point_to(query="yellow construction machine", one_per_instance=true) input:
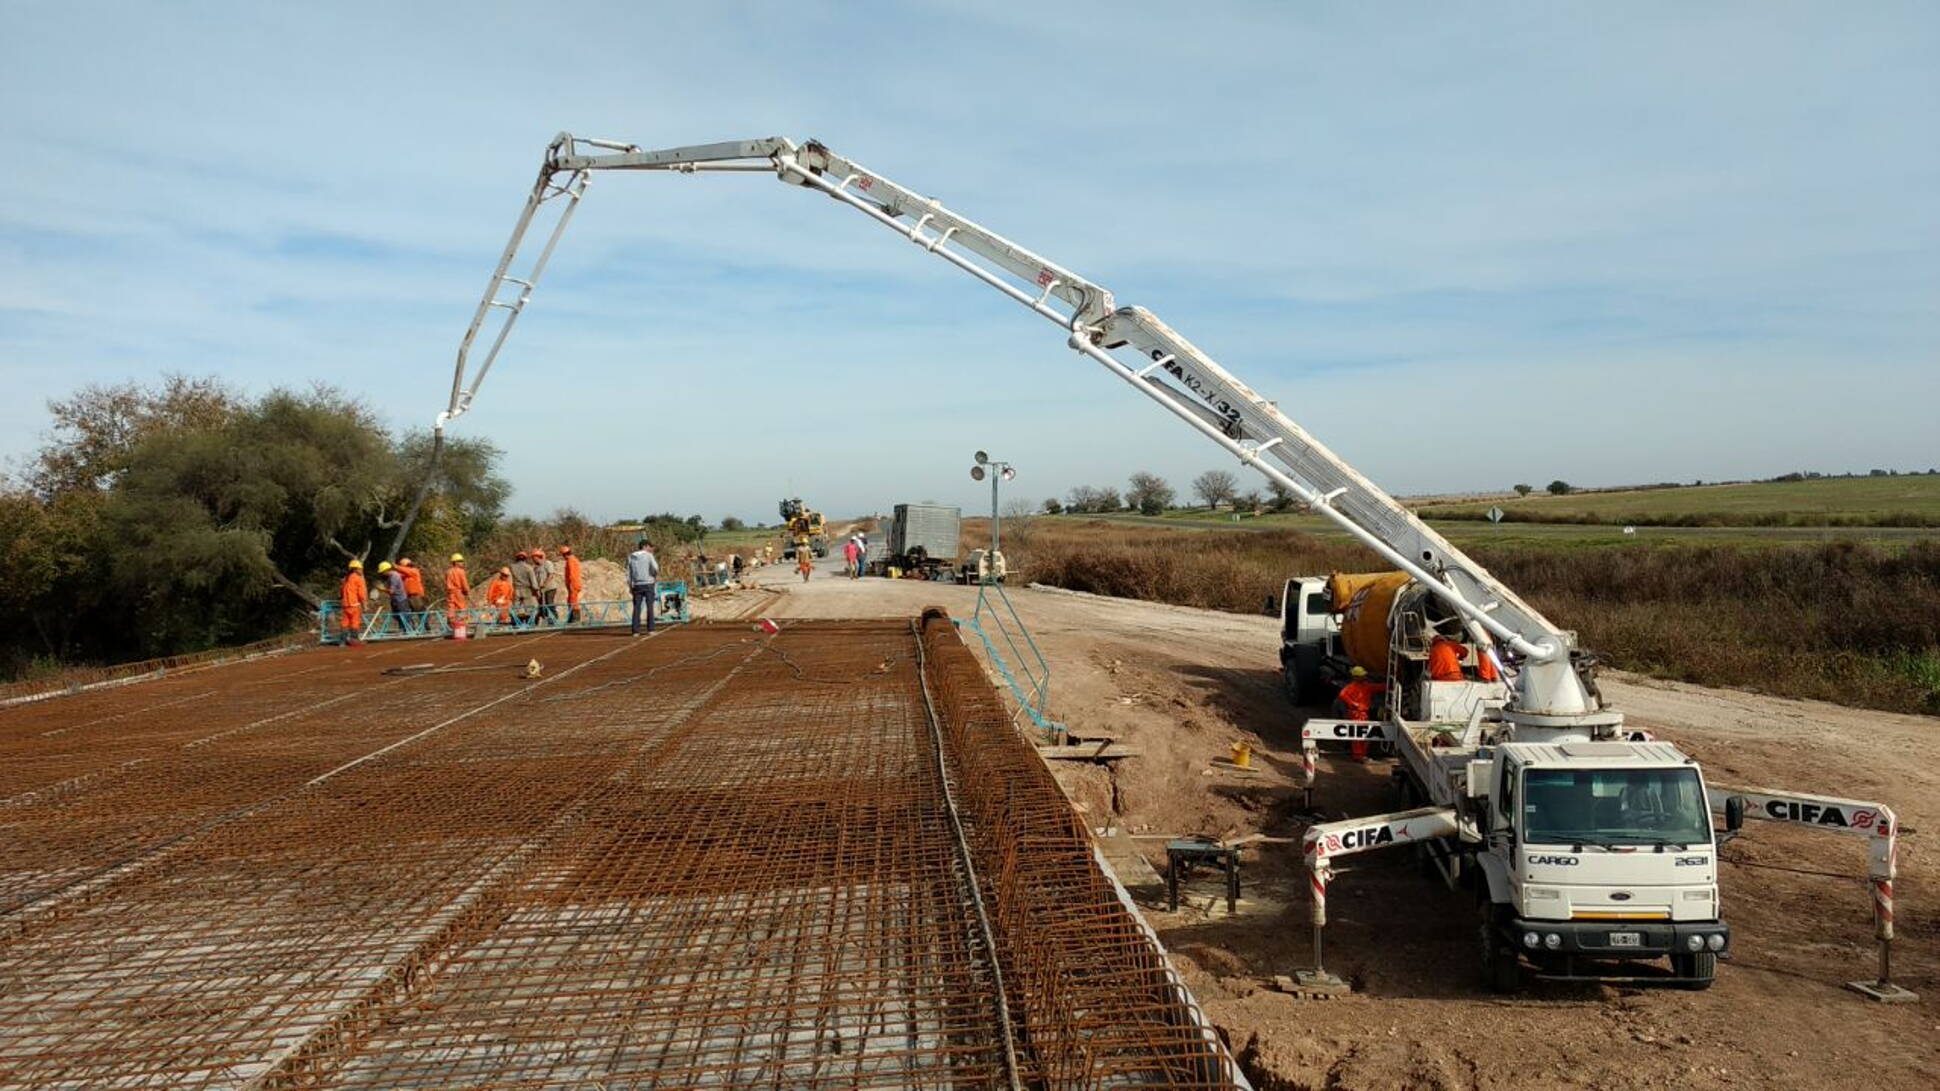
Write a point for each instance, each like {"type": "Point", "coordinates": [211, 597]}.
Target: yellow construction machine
{"type": "Point", "coordinates": [806, 529]}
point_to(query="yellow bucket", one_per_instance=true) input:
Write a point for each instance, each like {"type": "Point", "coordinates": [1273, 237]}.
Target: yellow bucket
{"type": "Point", "coordinates": [1242, 755]}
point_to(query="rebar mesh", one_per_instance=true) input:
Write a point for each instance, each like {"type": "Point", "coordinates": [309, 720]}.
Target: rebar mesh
{"type": "Point", "coordinates": [706, 859]}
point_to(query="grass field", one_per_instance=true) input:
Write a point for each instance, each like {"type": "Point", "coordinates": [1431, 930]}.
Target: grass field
{"type": "Point", "coordinates": [1908, 500]}
{"type": "Point", "coordinates": [1847, 621]}
{"type": "Point", "coordinates": [1468, 533]}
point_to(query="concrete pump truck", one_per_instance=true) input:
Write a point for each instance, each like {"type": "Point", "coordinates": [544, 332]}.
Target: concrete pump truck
{"type": "Point", "coordinates": [1587, 845]}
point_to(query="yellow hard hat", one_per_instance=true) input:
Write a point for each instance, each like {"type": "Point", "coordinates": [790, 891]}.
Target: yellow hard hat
{"type": "Point", "coordinates": [383, 566]}
{"type": "Point", "coordinates": [456, 557]}
{"type": "Point", "coordinates": [1358, 672]}
{"type": "Point", "coordinates": [356, 564]}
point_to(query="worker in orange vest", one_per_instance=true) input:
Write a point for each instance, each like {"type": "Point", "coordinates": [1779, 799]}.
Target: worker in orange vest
{"type": "Point", "coordinates": [1445, 659]}
{"type": "Point", "coordinates": [413, 583]}
{"type": "Point", "coordinates": [575, 583]}
{"type": "Point", "coordinates": [1355, 701]}
{"type": "Point", "coordinates": [1485, 664]}
{"type": "Point", "coordinates": [499, 593]}
{"type": "Point", "coordinates": [354, 596]}
{"type": "Point", "coordinates": [458, 591]}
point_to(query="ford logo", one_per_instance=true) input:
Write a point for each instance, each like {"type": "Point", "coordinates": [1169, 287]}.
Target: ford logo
{"type": "Point", "coordinates": [1620, 896]}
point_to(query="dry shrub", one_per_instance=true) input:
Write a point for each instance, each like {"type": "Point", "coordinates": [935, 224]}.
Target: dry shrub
{"type": "Point", "coordinates": [1844, 621]}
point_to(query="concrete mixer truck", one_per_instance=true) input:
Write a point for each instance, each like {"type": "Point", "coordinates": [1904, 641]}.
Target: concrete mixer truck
{"type": "Point", "coordinates": [1385, 623]}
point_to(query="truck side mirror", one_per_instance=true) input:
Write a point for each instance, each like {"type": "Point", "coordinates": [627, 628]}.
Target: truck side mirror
{"type": "Point", "coordinates": [1734, 813]}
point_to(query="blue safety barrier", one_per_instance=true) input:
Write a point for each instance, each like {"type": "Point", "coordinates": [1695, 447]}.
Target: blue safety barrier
{"type": "Point", "coordinates": [381, 623]}
{"type": "Point", "coordinates": [1033, 691]}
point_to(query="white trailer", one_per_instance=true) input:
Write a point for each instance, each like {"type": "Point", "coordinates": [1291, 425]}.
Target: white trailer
{"type": "Point", "coordinates": [1549, 722]}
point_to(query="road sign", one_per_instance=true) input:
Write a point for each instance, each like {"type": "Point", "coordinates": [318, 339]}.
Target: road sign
{"type": "Point", "coordinates": [1495, 515]}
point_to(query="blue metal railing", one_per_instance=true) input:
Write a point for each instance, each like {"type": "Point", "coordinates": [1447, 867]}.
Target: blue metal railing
{"type": "Point", "coordinates": [1033, 691]}
{"type": "Point", "coordinates": [381, 623]}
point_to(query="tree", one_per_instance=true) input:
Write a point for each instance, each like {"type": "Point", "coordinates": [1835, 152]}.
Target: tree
{"type": "Point", "coordinates": [165, 520]}
{"type": "Point", "coordinates": [731, 523]}
{"type": "Point", "coordinates": [1524, 490]}
{"type": "Point", "coordinates": [1149, 493]}
{"type": "Point", "coordinates": [1052, 506]}
{"type": "Point", "coordinates": [1250, 501]}
{"type": "Point", "coordinates": [1560, 488]}
{"type": "Point", "coordinates": [1215, 487]}
{"type": "Point", "coordinates": [97, 429]}
{"type": "Point", "coordinates": [1281, 497]}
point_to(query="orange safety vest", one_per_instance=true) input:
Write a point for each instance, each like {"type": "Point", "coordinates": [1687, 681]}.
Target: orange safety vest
{"type": "Point", "coordinates": [1485, 666]}
{"type": "Point", "coordinates": [458, 586]}
{"type": "Point", "coordinates": [575, 580]}
{"type": "Point", "coordinates": [1445, 660]}
{"type": "Point", "coordinates": [353, 593]}
{"type": "Point", "coordinates": [1357, 696]}
{"type": "Point", "coordinates": [413, 579]}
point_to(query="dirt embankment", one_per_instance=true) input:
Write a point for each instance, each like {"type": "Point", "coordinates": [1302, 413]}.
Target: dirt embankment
{"type": "Point", "coordinates": [1180, 685]}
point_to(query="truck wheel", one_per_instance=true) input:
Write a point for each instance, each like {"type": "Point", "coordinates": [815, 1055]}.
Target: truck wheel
{"type": "Point", "coordinates": [1290, 682]}
{"type": "Point", "coordinates": [1699, 969]}
{"type": "Point", "coordinates": [1501, 969]}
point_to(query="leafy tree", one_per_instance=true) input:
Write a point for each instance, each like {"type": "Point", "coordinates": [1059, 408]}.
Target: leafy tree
{"type": "Point", "coordinates": [1215, 487]}
{"type": "Point", "coordinates": [1281, 497]}
{"type": "Point", "coordinates": [1560, 488]}
{"type": "Point", "coordinates": [167, 519]}
{"type": "Point", "coordinates": [52, 576]}
{"type": "Point", "coordinates": [1052, 506]}
{"type": "Point", "coordinates": [96, 431]}
{"type": "Point", "coordinates": [667, 529]}
{"type": "Point", "coordinates": [1250, 501]}
{"type": "Point", "coordinates": [732, 523]}
{"type": "Point", "coordinates": [1525, 490]}
{"type": "Point", "coordinates": [1149, 493]}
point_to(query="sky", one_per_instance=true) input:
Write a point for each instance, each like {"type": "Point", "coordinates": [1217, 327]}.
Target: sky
{"type": "Point", "coordinates": [1464, 244]}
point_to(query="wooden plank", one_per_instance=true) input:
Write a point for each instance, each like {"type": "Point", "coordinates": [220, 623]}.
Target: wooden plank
{"type": "Point", "coordinates": [1104, 751]}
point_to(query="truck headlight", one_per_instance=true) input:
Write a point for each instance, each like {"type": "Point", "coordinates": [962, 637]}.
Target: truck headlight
{"type": "Point", "coordinates": [1715, 941]}
{"type": "Point", "coordinates": [1694, 942]}
{"type": "Point", "coordinates": [1531, 939]}
{"type": "Point", "coordinates": [1703, 895]}
{"type": "Point", "coordinates": [1552, 941]}
{"type": "Point", "coordinates": [1542, 893]}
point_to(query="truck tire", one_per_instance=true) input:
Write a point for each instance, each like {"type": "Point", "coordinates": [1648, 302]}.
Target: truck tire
{"type": "Point", "coordinates": [1700, 969]}
{"type": "Point", "coordinates": [1304, 683]}
{"type": "Point", "coordinates": [1501, 967]}
{"type": "Point", "coordinates": [1290, 682]}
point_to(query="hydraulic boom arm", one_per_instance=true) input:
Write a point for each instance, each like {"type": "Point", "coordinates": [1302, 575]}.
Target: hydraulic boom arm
{"type": "Point", "coordinates": [1130, 342]}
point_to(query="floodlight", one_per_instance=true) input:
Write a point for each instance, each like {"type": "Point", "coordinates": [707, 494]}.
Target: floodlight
{"type": "Point", "coordinates": [982, 458]}
{"type": "Point", "coordinates": [976, 473]}
{"type": "Point", "coordinates": [1009, 473]}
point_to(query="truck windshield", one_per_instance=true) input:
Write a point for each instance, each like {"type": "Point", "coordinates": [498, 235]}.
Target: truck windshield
{"type": "Point", "coordinates": [1614, 807]}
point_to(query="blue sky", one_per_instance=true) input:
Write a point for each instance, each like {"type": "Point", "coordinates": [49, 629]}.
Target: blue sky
{"type": "Point", "coordinates": [1465, 244]}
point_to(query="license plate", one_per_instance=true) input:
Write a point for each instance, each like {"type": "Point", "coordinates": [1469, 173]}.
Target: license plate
{"type": "Point", "coordinates": [1626, 939]}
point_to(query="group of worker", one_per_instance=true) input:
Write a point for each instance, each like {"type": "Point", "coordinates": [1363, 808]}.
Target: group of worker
{"type": "Point", "coordinates": [855, 554]}
{"type": "Point", "coordinates": [1356, 699]}
{"type": "Point", "coordinates": [528, 590]}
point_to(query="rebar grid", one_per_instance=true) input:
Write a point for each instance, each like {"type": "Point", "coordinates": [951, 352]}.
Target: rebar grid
{"type": "Point", "coordinates": [183, 764]}
{"type": "Point", "coordinates": [705, 859]}
{"type": "Point", "coordinates": [1101, 1004]}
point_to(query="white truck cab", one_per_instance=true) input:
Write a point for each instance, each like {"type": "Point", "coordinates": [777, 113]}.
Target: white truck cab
{"type": "Point", "coordinates": [1309, 635]}
{"type": "Point", "coordinates": [1597, 851]}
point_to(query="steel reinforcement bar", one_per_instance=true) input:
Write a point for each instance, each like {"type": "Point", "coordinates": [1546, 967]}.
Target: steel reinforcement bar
{"type": "Point", "coordinates": [706, 859]}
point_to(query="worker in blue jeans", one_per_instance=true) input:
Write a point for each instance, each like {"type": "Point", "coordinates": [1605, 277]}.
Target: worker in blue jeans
{"type": "Point", "coordinates": [642, 575]}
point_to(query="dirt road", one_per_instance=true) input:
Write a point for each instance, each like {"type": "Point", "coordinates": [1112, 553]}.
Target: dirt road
{"type": "Point", "coordinates": [1180, 685]}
